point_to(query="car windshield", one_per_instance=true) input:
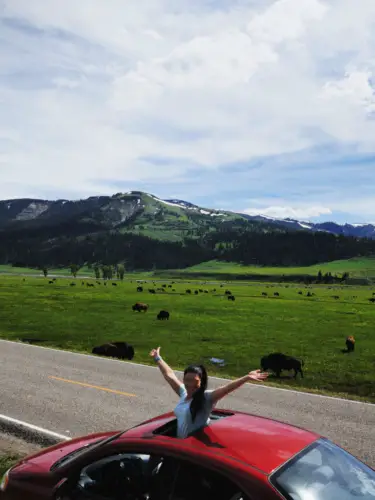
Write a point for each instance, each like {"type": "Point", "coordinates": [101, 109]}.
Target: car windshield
{"type": "Point", "coordinates": [325, 471]}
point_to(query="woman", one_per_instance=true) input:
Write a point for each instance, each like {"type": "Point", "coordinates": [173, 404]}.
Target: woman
{"type": "Point", "coordinates": [196, 402]}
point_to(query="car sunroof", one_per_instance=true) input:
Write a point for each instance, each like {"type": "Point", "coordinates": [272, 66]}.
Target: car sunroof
{"type": "Point", "coordinates": [170, 428]}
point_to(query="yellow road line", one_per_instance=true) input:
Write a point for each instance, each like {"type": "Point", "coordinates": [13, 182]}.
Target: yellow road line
{"type": "Point", "coordinates": [93, 386]}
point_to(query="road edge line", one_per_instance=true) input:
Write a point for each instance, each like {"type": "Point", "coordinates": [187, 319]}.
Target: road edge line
{"type": "Point", "coordinates": [30, 432]}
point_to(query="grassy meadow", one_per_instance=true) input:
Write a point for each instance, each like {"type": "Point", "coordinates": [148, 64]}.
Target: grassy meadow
{"type": "Point", "coordinates": [359, 267]}
{"type": "Point", "coordinates": [7, 461]}
{"type": "Point", "coordinates": [206, 325]}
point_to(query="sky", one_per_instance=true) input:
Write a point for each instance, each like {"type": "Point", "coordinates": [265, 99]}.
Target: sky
{"type": "Point", "coordinates": [256, 106]}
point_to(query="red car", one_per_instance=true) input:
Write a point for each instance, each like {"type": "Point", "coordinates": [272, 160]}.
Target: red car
{"type": "Point", "coordinates": [237, 457]}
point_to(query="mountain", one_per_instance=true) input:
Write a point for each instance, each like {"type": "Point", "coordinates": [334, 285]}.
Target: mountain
{"type": "Point", "coordinates": [145, 214]}
{"type": "Point", "coordinates": [146, 232]}
{"type": "Point", "coordinates": [136, 212]}
{"type": "Point", "coordinates": [354, 230]}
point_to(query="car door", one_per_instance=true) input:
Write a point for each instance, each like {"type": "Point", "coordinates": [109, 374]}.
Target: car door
{"type": "Point", "coordinates": [194, 481]}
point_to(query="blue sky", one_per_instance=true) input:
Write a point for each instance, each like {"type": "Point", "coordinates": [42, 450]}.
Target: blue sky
{"type": "Point", "coordinates": [257, 106]}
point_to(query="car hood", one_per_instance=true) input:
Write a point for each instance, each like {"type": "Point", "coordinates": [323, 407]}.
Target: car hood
{"type": "Point", "coordinates": [43, 460]}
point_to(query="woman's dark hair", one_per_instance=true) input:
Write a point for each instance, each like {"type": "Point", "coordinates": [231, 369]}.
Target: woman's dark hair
{"type": "Point", "coordinates": [198, 396]}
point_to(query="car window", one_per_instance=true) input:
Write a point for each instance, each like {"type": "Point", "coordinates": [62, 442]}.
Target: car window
{"type": "Point", "coordinates": [129, 476]}
{"type": "Point", "coordinates": [194, 481]}
{"type": "Point", "coordinates": [122, 476]}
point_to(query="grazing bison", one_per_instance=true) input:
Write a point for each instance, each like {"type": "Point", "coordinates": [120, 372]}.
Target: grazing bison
{"type": "Point", "coordinates": [140, 289]}
{"type": "Point", "coordinates": [228, 292]}
{"type": "Point", "coordinates": [140, 306]}
{"type": "Point", "coordinates": [350, 341]}
{"type": "Point", "coordinates": [188, 291]}
{"type": "Point", "coordinates": [163, 315]}
{"type": "Point", "coordinates": [114, 284]}
{"type": "Point", "coordinates": [120, 350]}
{"type": "Point", "coordinates": [151, 290]}
{"type": "Point", "coordinates": [276, 294]}
{"type": "Point", "coordinates": [264, 294]}
{"type": "Point", "coordinates": [231, 297]}
{"type": "Point", "coordinates": [278, 362]}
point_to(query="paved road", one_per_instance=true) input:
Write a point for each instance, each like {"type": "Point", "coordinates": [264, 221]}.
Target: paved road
{"type": "Point", "coordinates": [70, 394]}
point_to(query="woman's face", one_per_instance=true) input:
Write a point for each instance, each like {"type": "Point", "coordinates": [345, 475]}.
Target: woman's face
{"type": "Point", "coordinates": [192, 382]}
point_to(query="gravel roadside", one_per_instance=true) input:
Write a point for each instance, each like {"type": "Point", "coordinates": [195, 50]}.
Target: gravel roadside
{"type": "Point", "coordinates": [13, 449]}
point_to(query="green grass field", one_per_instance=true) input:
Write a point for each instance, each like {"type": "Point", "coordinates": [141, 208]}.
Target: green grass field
{"type": "Point", "coordinates": [357, 268]}
{"type": "Point", "coordinates": [361, 267]}
{"type": "Point", "coordinates": [206, 325]}
{"type": "Point", "coordinates": [7, 460]}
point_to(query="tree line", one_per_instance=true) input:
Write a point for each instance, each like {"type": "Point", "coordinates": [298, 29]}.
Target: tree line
{"type": "Point", "coordinates": [246, 245]}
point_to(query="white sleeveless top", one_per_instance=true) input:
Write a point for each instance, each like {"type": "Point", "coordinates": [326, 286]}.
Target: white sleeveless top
{"type": "Point", "coordinates": [185, 425]}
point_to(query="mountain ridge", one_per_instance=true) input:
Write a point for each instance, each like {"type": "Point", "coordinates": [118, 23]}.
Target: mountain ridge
{"type": "Point", "coordinates": [140, 210]}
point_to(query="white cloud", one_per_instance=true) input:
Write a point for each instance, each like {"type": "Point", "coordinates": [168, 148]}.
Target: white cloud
{"type": "Point", "coordinates": [89, 89]}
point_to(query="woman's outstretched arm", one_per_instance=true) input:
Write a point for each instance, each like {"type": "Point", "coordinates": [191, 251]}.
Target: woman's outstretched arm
{"type": "Point", "coordinates": [235, 384]}
{"type": "Point", "coordinates": [166, 370]}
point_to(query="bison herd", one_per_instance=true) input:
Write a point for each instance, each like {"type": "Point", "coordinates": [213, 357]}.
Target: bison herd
{"type": "Point", "coordinates": [276, 362]}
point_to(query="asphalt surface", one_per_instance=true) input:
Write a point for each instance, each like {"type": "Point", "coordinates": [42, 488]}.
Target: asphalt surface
{"type": "Point", "coordinates": [65, 406]}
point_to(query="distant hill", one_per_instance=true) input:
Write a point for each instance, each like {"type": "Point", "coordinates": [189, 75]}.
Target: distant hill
{"type": "Point", "coordinates": [147, 232]}
{"type": "Point", "coordinates": [355, 230]}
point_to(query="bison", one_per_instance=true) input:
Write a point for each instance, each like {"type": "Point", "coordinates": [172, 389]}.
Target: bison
{"type": "Point", "coordinates": [278, 362]}
{"type": "Point", "coordinates": [140, 306]}
{"type": "Point", "coordinates": [163, 315]}
{"type": "Point", "coordinates": [350, 341]}
{"type": "Point", "coordinates": [139, 289]}
{"type": "Point", "coordinates": [120, 350]}
{"type": "Point", "coordinates": [231, 297]}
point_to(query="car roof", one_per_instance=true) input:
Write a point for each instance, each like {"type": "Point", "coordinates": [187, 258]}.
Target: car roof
{"type": "Point", "coordinates": [260, 442]}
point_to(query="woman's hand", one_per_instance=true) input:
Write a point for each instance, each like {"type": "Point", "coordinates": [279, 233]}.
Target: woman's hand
{"type": "Point", "coordinates": [257, 375]}
{"type": "Point", "coordinates": [155, 352]}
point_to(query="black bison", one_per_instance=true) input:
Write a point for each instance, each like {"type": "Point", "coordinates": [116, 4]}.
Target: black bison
{"type": "Point", "coordinates": [231, 297]}
{"type": "Point", "coordinates": [140, 289]}
{"type": "Point", "coordinates": [188, 291]}
{"type": "Point", "coordinates": [228, 292]}
{"type": "Point", "coordinates": [276, 294]}
{"type": "Point", "coordinates": [151, 290]}
{"type": "Point", "coordinates": [120, 350]}
{"type": "Point", "coordinates": [114, 284]}
{"type": "Point", "coordinates": [264, 294]}
{"type": "Point", "coordinates": [278, 362]}
{"type": "Point", "coordinates": [163, 315]}
{"type": "Point", "coordinates": [350, 342]}
{"type": "Point", "coordinates": [140, 306]}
